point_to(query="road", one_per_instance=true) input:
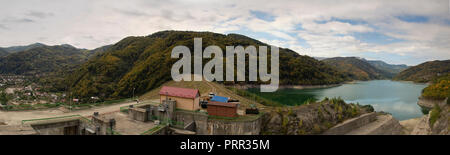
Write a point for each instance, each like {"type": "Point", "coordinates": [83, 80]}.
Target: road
{"type": "Point", "coordinates": [16, 117]}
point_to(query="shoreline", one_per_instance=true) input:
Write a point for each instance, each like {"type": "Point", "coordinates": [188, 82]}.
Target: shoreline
{"type": "Point", "coordinates": [247, 86]}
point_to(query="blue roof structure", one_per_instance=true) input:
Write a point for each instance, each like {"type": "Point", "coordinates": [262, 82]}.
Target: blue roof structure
{"type": "Point", "coordinates": [220, 99]}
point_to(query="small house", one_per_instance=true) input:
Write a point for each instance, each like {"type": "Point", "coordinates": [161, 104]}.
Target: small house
{"type": "Point", "coordinates": [222, 109]}
{"type": "Point", "coordinates": [186, 99]}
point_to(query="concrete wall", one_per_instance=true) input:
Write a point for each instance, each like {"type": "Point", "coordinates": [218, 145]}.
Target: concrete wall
{"type": "Point", "coordinates": [185, 117]}
{"type": "Point", "coordinates": [205, 126]}
{"type": "Point", "coordinates": [54, 128]}
{"type": "Point", "coordinates": [139, 114]}
{"type": "Point", "coordinates": [351, 124]}
{"type": "Point", "coordinates": [148, 112]}
{"type": "Point", "coordinates": [390, 127]}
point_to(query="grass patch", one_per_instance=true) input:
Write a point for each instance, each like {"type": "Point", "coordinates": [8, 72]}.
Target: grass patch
{"type": "Point", "coordinates": [435, 114]}
{"type": "Point", "coordinates": [254, 97]}
{"type": "Point", "coordinates": [153, 130]}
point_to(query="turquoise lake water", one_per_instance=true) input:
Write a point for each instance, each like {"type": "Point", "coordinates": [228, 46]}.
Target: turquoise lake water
{"type": "Point", "coordinates": [398, 98]}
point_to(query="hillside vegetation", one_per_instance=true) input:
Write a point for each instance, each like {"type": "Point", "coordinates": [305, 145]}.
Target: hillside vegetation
{"type": "Point", "coordinates": [439, 89]}
{"type": "Point", "coordinates": [144, 63]}
{"type": "Point", "coordinates": [3, 52]}
{"type": "Point", "coordinates": [14, 49]}
{"type": "Point", "coordinates": [314, 118]}
{"type": "Point", "coordinates": [42, 59]}
{"type": "Point", "coordinates": [389, 68]}
{"type": "Point", "coordinates": [425, 72]}
{"type": "Point", "coordinates": [356, 68]}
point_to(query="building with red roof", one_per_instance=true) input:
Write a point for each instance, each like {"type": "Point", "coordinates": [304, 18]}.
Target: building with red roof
{"type": "Point", "coordinates": [187, 99]}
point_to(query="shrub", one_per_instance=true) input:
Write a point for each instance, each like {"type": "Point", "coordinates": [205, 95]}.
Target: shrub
{"type": "Point", "coordinates": [435, 114]}
{"type": "Point", "coordinates": [439, 89]}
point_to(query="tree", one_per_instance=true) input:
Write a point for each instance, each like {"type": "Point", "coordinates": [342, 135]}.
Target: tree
{"type": "Point", "coordinates": [3, 98]}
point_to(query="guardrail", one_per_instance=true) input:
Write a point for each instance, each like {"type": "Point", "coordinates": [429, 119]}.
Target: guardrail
{"type": "Point", "coordinates": [53, 118]}
{"type": "Point", "coordinates": [125, 108]}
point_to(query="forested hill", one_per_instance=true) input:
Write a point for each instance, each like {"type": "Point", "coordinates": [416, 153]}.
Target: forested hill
{"type": "Point", "coordinates": [42, 59]}
{"type": "Point", "coordinates": [425, 72]}
{"type": "Point", "coordinates": [390, 68]}
{"type": "Point", "coordinates": [3, 52]}
{"type": "Point", "coordinates": [358, 69]}
{"type": "Point", "coordinates": [14, 49]}
{"type": "Point", "coordinates": [144, 63]}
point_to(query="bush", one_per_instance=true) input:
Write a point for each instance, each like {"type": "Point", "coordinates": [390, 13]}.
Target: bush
{"type": "Point", "coordinates": [435, 114]}
{"type": "Point", "coordinates": [439, 89]}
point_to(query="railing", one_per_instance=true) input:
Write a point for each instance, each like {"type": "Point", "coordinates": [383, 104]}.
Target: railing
{"type": "Point", "coordinates": [25, 107]}
{"type": "Point", "coordinates": [53, 118]}
{"type": "Point", "coordinates": [125, 109]}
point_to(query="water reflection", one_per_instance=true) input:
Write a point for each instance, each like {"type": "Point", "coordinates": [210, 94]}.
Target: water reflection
{"type": "Point", "coordinates": [397, 98]}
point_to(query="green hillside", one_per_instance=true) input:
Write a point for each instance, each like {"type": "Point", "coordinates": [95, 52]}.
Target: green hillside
{"type": "Point", "coordinates": [14, 49]}
{"type": "Point", "coordinates": [3, 52]}
{"type": "Point", "coordinates": [43, 59]}
{"type": "Point", "coordinates": [144, 63]}
{"type": "Point", "coordinates": [425, 72]}
{"type": "Point", "coordinates": [389, 68]}
{"type": "Point", "coordinates": [439, 89]}
{"type": "Point", "coordinates": [357, 69]}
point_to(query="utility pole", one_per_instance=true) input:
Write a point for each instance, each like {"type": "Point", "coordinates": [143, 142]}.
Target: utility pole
{"type": "Point", "coordinates": [133, 92]}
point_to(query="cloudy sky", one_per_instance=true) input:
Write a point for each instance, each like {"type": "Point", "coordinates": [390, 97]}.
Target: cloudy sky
{"type": "Point", "coordinates": [396, 31]}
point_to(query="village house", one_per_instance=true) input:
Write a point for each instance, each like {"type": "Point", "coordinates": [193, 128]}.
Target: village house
{"type": "Point", "coordinates": [186, 99]}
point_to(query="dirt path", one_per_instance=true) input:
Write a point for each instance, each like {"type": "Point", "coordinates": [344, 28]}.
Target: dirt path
{"type": "Point", "coordinates": [15, 117]}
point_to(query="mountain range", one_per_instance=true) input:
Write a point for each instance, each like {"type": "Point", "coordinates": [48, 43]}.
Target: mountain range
{"type": "Point", "coordinates": [39, 58]}
{"type": "Point", "coordinates": [144, 63]}
{"type": "Point", "coordinates": [356, 68]}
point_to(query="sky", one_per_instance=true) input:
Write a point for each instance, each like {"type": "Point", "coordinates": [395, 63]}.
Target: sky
{"type": "Point", "coordinates": [396, 31]}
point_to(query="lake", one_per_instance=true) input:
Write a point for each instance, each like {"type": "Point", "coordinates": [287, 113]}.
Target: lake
{"type": "Point", "coordinates": [395, 97]}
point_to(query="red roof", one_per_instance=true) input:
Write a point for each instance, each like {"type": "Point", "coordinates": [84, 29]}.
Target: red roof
{"type": "Point", "coordinates": [222, 104]}
{"type": "Point", "coordinates": [179, 92]}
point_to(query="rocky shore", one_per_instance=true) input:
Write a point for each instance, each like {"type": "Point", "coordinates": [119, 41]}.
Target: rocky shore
{"type": "Point", "coordinates": [291, 86]}
{"type": "Point", "coordinates": [436, 122]}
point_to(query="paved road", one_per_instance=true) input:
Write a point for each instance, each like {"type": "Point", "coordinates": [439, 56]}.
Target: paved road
{"type": "Point", "coordinates": [15, 117]}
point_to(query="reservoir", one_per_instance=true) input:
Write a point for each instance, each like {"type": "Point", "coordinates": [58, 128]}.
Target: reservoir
{"type": "Point", "coordinates": [395, 97]}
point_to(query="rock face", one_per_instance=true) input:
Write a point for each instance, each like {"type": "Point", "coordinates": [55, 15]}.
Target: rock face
{"type": "Point", "coordinates": [368, 124]}
{"type": "Point", "coordinates": [422, 127]}
{"type": "Point", "coordinates": [441, 125]}
{"type": "Point", "coordinates": [436, 122]}
{"type": "Point", "coordinates": [310, 119]}
{"type": "Point", "coordinates": [429, 103]}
